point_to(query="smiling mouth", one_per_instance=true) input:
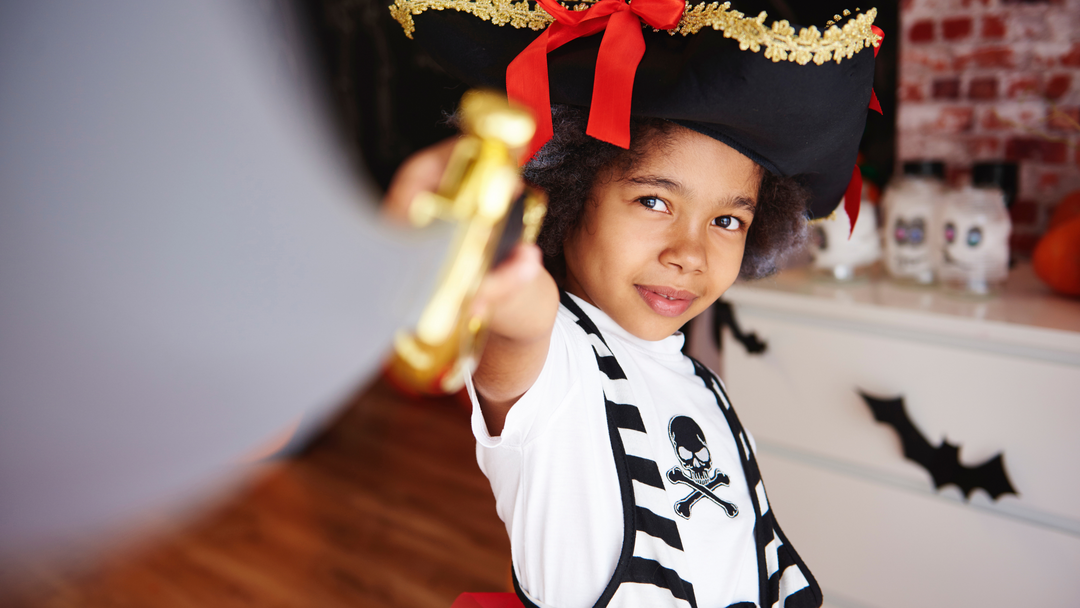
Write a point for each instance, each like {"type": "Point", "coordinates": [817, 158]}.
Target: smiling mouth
{"type": "Point", "coordinates": [666, 301]}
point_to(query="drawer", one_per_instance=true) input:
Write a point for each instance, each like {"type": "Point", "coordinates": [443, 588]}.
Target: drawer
{"type": "Point", "coordinates": [876, 545]}
{"type": "Point", "coordinates": [802, 394]}
{"type": "Point", "coordinates": [870, 523]}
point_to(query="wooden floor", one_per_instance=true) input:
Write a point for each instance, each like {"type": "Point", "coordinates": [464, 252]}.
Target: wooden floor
{"type": "Point", "coordinates": [388, 508]}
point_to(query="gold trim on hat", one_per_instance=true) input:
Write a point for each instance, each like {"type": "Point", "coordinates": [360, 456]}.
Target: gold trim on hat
{"type": "Point", "coordinates": [780, 40]}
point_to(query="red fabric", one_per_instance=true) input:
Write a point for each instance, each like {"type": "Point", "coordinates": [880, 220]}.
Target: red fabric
{"type": "Point", "coordinates": [620, 52]}
{"type": "Point", "coordinates": [853, 198]}
{"type": "Point", "coordinates": [875, 105]}
{"type": "Point", "coordinates": [487, 600]}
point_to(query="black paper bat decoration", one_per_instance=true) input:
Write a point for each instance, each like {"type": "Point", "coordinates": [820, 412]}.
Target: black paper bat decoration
{"type": "Point", "coordinates": [724, 314]}
{"type": "Point", "coordinates": [943, 461]}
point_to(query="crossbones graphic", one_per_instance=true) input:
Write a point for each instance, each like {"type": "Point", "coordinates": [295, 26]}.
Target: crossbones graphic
{"type": "Point", "coordinates": [695, 462]}
{"type": "Point", "coordinates": [682, 507]}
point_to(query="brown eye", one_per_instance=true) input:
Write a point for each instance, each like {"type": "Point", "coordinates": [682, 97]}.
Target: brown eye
{"type": "Point", "coordinates": [654, 203]}
{"type": "Point", "coordinates": [727, 222]}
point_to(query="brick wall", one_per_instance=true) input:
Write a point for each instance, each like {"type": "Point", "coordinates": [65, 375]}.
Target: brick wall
{"type": "Point", "coordinates": [992, 80]}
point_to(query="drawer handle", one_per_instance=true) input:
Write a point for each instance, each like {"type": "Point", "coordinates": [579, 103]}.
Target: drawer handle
{"type": "Point", "coordinates": [941, 461]}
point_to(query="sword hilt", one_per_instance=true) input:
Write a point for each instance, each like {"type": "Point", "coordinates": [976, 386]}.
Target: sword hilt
{"type": "Point", "coordinates": [479, 193]}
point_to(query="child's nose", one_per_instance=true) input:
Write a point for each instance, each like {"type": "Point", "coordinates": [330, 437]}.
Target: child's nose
{"type": "Point", "coordinates": [685, 250]}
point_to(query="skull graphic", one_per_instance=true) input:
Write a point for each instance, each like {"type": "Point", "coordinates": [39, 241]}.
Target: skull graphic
{"type": "Point", "coordinates": [911, 208]}
{"type": "Point", "coordinates": [976, 228]}
{"type": "Point", "coordinates": [690, 447]}
{"type": "Point", "coordinates": [835, 253]}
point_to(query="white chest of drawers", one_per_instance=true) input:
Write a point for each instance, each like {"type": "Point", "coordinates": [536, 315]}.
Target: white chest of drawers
{"type": "Point", "coordinates": [999, 375]}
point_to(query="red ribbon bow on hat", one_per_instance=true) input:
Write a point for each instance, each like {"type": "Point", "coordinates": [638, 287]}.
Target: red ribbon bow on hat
{"type": "Point", "coordinates": [853, 195]}
{"type": "Point", "coordinates": [620, 52]}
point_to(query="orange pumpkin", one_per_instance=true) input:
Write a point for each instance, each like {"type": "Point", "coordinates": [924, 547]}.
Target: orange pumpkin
{"type": "Point", "coordinates": [1056, 259]}
{"type": "Point", "coordinates": [1068, 208]}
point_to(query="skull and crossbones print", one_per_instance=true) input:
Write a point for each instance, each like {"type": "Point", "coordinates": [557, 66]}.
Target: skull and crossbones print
{"type": "Point", "coordinates": [695, 463]}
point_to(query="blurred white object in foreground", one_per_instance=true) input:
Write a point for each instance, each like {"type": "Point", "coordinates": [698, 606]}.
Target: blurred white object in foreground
{"type": "Point", "coordinates": [187, 264]}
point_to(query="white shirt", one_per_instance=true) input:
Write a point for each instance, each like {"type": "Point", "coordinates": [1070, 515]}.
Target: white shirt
{"type": "Point", "coordinates": [555, 484]}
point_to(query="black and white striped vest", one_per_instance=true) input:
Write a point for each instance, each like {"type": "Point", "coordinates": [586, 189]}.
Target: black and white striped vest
{"type": "Point", "coordinates": [652, 547]}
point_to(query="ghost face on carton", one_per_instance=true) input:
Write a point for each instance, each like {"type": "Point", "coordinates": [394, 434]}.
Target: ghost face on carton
{"type": "Point", "coordinates": [975, 229]}
{"type": "Point", "coordinates": [908, 231]}
{"type": "Point", "coordinates": [834, 253]}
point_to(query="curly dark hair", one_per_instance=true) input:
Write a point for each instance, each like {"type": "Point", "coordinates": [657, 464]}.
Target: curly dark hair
{"type": "Point", "coordinates": [568, 166]}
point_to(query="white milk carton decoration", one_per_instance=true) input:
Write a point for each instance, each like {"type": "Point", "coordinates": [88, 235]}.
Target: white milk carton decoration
{"type": "Point", "coordinates": [911, 205]}
{"type": "Point", "coordinates": [975, 227]}
{"type": "Point", "coordinates": [841, 258]}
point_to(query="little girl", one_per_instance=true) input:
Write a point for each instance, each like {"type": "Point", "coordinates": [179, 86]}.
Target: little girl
{"type": "Point", "coordinates": [618, 465]}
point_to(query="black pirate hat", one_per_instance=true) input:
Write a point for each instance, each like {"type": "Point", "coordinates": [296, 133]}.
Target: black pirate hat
{"type": "Point", "coordinates": [794, 101]}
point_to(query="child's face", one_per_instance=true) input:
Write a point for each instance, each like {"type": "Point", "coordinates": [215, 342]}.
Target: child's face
{"type": "Point", "coordinates": [661, 243]}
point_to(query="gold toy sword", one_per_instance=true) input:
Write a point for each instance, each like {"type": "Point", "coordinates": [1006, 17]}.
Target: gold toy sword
{"type": "Point", "coordinates": [478, 192]}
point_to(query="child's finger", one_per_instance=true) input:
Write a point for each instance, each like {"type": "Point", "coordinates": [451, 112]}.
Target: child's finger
{"type": "Point", "coordinates": [508, 278]}
{"type": "Point", "coordinates": [421, 172]}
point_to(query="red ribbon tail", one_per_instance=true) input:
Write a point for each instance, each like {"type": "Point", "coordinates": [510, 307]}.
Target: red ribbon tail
{"type": "Point", "coordinates": [875, 105]}
{"type": "Point", "coordinates": [544, 133]}
{"type": "Point", "coordinates": [527, 84]}
{"type": "Point", "coordinates": [616, 64]}
{"type": "Point", "coordinates": [853, 198]}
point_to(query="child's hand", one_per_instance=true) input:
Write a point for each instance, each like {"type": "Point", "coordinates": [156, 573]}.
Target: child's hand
{"type": "Point", "coordinates": [421, 172]}
{"type": "Point", "coordinates": [518, 297]}
{"type": "Point", "coordinates": [506, 282]}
